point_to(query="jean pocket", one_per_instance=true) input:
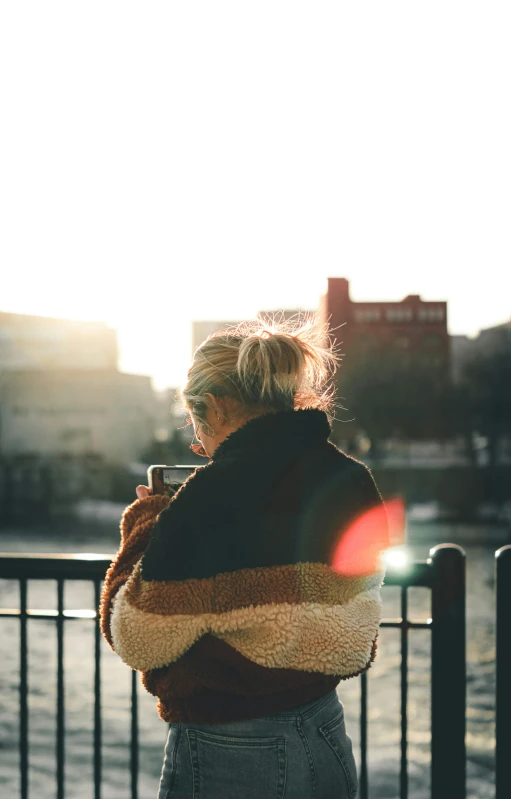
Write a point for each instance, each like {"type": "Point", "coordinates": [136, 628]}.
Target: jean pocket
{"type": "Point", "coordinates": [225, 767]}
{"type": "Point", "coordinates": [334, 733]}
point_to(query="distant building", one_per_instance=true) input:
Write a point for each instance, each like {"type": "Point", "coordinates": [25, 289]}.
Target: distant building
{"type": "Point", "coordinates": [495, 340]}
{"type": "Point", "coordinates": [489, 342]}
{"type": "Point", "coordinates": [37, 342]}
{"type": "Point", "coordinates": [412, 328]}
{"type": "Point", "coordinates": [201, 330]}
{"type": "Point", "coordinates": [463, 350]}
{"type": "Point", "coordinates": [76, 412]}
{"type": "Point", "coordinates": [285, 314]}
{"type": "Point", "coordinates": [171, 413]}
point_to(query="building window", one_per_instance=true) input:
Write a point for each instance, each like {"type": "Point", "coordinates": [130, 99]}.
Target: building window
{"type": "Point", "coordinates": [399, 314]}
{"type": "Point", "coordinates": [431, 314]}
{"type": "Point", "coordinates": [367, 314]}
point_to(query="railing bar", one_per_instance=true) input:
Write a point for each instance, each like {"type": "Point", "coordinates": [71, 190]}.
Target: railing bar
{"type": "Point", "coordinates": [60, 689]}
{"type": "Point", "coordinates": [134, 736]}
{"type": "Point", "coordinates": [48, 614]}
{"type": "Point", "coordinates": [411, 625]}
{"type": "Point", "coordinates": [364, 782]}
{"type": "Point", "coordinates": [23, 690]}
{"type": "Point", "coordinates": [53, 566]}
{"type": "Point", "coordinates": [403, 774]}
{"type": "Point", "coordinates": [448, 673]}
{"type": "Point", "coordinates": [82, 567]}
{"type": "Point", "coordinates": [97, 694]}
{"type": "Point", "coordinates": [68, 614]}
{"type": "Point", "coordinates": [503, 669]}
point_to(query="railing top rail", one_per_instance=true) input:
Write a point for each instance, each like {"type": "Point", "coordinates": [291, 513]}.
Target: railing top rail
{"type": "Point", "coordinates": [84, 566]}
{"type": "Point", "coordinates": [92, 566]}
{"type": "Point", "coordinates": [503, 552]}
{"type": "Point", "coordinates": [415, 574]}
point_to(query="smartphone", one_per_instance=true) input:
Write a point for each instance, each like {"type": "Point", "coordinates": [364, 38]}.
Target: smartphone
{"type": "Point", "coordinates": [160, 478]}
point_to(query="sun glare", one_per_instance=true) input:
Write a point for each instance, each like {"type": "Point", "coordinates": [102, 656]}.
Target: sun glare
{"type": "Point", "coordinates": [396, 558]}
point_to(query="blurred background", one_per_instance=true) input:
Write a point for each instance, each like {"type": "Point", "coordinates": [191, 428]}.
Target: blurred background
{"type": "Point", "coordinates": [429, 411]}
{"type": "Point", "coordinates": [168, 169]}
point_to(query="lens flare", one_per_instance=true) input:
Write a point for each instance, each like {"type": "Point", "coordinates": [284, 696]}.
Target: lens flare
{"type": "Point", "coordinates": [360, 547]}
{"type": "Point", "coordinates": [397, 558]}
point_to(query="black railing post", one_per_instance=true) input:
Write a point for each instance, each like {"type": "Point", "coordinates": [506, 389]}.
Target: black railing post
{"type": "Point", "coordinates": [503, 658]}
{"type": "Point", "coordinates": [97, 693]}
{"type": "Point", "coordinates": [134, 736]}
{"type": "Point", "coordinates": [363, 776]}
{"type": "Point", "coordinates": [23, 690]}
{"type": "Point", "coordinates": [60, 689]}
{"type": "Point", "coordinates": [403, 769]}
{"type": "Point", "coordinates": [448, 677]}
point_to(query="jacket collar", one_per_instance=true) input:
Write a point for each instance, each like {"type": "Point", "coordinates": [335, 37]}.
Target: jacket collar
{"type": "Point", "coordinates": [288, 430]}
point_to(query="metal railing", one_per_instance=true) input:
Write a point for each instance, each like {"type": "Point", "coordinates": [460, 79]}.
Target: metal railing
{"type": "Point", "coordinates": [443, 573]}
{"type": "Point", "coordinates": [503, 669]}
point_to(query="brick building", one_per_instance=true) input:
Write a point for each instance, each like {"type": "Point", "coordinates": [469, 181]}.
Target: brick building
{"type": "Point", "coordinates": [413, 329]}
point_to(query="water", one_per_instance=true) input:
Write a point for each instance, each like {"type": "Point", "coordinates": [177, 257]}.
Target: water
{"type": "Point", "coordinates": [383, 682]}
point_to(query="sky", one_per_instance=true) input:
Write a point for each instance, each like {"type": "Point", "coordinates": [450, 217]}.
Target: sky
{"type": "Point", "coordinates": [163, 162]}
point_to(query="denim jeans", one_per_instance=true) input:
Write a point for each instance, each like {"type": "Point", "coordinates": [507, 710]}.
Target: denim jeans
{"type": "Point", "coordinates": [303, 753]}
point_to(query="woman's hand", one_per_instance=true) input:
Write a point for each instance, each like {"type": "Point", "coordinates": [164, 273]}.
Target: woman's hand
{"type": "Point", "coordinates": [143, 491]}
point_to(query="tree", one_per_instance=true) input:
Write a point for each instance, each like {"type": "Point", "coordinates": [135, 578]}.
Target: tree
{"type": "Point", "coordinates": [486, 382]}
{"type": "Point", "coordinates": [391, 396]}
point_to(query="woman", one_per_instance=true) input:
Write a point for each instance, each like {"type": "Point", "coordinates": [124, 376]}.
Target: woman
{"type": "Point", "coordinates": [251, 592]}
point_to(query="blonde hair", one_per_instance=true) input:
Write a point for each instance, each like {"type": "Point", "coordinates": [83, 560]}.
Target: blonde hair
{"type": "Point", "coordinates": [265, 365]}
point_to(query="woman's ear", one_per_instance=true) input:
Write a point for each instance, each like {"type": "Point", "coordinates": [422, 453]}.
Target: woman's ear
{"type": "Point", "coordinates": [219, 407]}
{"type": "Point", "coordinates": [213, 404]}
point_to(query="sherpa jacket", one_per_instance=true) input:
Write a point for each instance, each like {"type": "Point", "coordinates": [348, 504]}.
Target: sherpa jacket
{"type": "Point", "coordinates": [256, 587]}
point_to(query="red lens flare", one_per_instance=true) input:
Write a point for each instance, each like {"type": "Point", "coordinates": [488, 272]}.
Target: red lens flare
{"type": "Point", "coordinates": [359, 550]}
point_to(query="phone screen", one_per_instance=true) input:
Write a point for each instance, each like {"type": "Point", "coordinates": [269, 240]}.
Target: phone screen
{"type": "Point", "coordinates": [160, 478]}
{"type": "Point", "coordinates": [176, 474]}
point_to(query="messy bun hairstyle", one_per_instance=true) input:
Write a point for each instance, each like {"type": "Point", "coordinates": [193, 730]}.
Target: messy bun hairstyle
{"type": "Point", "coordinates": [266, 365]}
